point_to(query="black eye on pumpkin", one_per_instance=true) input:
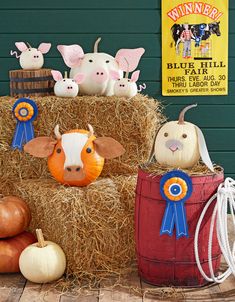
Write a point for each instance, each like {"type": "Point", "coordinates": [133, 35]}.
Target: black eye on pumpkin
{"type": "Point", "coordinates": [90, 61]}
{"type": "Point", "coordinates": [165, 134]}
{"type": "Point", "coordinates": [107, 61]}
{"type": "Point", "coordinates": [184, 135]}
{"type": "Point", "coordinates": [58, 150]}
{"type": "Point", "coordinates": [88, 150]}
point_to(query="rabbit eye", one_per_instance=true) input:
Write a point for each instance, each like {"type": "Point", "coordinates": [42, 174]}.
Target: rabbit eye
{"type": "Point", "coordinates": [165, 134]}
{"type": "Point", "coordinates": [184, 135]}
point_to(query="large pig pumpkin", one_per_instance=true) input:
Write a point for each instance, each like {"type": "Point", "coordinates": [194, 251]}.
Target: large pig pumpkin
{"type": "Point", "coordinates": [76, 157]}
{"type": "Point", "coordinates": [97, 66]}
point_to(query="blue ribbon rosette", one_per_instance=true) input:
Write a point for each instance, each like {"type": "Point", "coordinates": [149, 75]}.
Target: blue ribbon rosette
{"type": "Point", "coordinates": [175, 188]}
{"type": "Point", "coordinates": [25, 112]}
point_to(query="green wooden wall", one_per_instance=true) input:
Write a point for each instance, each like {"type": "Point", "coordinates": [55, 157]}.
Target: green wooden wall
{"type": "Point", "coordinates": [121, 24]}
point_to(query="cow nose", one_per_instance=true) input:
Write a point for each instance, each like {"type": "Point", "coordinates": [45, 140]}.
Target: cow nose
{"type": "Point", "coordinates": [73, 168]}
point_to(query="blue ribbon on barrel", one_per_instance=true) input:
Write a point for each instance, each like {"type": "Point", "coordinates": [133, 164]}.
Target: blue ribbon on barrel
{"type": "Point", "coordinates": [175, 188]}
{"type": "Point", "coordinates": [25, 112]}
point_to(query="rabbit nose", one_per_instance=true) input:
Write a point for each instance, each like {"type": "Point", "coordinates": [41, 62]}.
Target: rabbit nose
{"type": "Point", "coordinates": [174, 145]}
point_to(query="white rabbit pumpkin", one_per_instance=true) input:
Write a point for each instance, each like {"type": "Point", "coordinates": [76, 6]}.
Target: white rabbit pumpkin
{"type": "Point", "coordinates": [65, 87]}
{"type": "Point", "coordinates": [31, 58]}
{"type": "Point", "coordinates": [180, 144]}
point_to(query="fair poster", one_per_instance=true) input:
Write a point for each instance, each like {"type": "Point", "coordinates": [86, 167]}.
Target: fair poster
{"type": "Point", "coordinates": [194, 47]}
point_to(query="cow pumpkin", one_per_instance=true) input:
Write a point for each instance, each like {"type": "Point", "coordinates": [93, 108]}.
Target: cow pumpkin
{"type": "Point", "coordinates": [180, 144]}
{"type": "Point", "coordinates": [11, 249]}
{"type": "Point", "coordinates": [14, 216]}
{"type": "Point", "coordinates": [76, 157]}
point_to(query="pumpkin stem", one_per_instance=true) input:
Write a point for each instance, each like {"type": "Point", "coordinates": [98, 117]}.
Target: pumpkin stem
{"type": "Point", "coordinates": [29, 46]}
{"type": "Point", "coordinates": [40, 238]}
{"type": "Point", "coordinates": [182, 113]}
{"type": "Point", "coordinates": [127, 70]}
{"type": "Point", "coordinates": [96, 44]}
{"type": "Point", "coordinates": [65, 74]}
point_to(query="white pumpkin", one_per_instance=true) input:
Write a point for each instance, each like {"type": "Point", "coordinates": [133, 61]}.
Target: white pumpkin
{"type": "Point", "coordinates": [43, 261]}
{"type": "Point", "coordinates": [180, 144]}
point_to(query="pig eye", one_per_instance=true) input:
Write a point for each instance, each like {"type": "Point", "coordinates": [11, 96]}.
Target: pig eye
{"type": "Point", "coordinates": [184, 135]}
{"type": "Point", "coordinates": [165, 134]}
{"type": "Point", "coordinates": [128, 80]}
{"type": "Point", "coordinates": [73, 81]}
{"type": "Point", "coordinates": [58, 150]}
{"type": "Point", "coordinates": [107, 61]}
{"type": "Point", "coordinates": [90, 61]}
{"type": "Point", "coordinates": [63, 80]}
{"type": "Point", "coordinates": [88, 150]}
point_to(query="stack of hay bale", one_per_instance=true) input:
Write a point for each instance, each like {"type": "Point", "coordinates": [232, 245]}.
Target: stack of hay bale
{"type": "Point", "coordinates": [95, 224]}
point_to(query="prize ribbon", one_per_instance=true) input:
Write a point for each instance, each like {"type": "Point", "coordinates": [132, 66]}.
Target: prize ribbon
{"type": "Point", "coordinates": [25, 112]}
{"type": "Point", "coordinates": [175, 188]}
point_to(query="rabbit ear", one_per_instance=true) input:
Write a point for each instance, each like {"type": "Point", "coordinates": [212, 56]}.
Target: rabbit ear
{"type": "Point", "coordinates": [203, 149]}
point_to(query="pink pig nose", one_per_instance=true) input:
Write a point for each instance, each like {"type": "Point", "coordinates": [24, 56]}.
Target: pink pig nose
{"type": "Point", "coordinates": [99, 75]}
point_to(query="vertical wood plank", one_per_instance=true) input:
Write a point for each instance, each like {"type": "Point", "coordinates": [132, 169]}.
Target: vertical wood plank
{"type": "Point", "coordinates": [11, 287]}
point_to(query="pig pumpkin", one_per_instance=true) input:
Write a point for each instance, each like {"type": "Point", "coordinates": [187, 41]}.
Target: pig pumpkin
{"type": "Point", "coordinates": [97, 66]}
{"type": "Point", "coordinates": [76, 157]}
{"type": "Point", "coordinates": [180, 144]}
{"type": "Point", "coordinates": [31, 58]}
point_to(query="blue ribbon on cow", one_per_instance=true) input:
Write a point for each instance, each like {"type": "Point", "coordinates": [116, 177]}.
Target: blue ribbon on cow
{"type": "Point", "coordinates": [175, 188]}
{"type": "Point", "coordinates": [25, 112]}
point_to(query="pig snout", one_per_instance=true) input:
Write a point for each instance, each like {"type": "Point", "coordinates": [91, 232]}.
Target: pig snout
{"type": "Point", "coordinates": [70, 87]}
{"type": "Point", "coordinates": [100, 75]}
{"type": "Point", "coordinates": [73, 173]}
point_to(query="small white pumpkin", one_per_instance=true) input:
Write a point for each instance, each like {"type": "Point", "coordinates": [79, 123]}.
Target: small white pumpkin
{"type": "Point", "coordinates": [180, 144]}
{"type": "Point", "coordinates": [43, 261]}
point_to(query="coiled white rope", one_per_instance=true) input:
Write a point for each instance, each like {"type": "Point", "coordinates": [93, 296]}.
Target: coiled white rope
{"type": "Point", "coordinates": [225, 197]}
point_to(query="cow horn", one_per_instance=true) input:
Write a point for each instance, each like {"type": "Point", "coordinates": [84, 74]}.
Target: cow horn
{"type": "Point", "coordinates": [91, 130]}
{"type": "Point", "coordinates": [182, 113]}
{"type": "Point", "coordinates": [96, 44]}
{"type": "Point", "coordinates": [57, 132]}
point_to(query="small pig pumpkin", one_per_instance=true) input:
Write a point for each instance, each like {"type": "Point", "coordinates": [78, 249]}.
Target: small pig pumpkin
{"type": "Point", "coordinates": [65, 87]}
{"type": "Point", "coordinates": [180, 144]}
{"type": "Point", "coordinates": [97, 65]}
{"type": "Point", "coordinates": [76, 157]}
{"type": "Point", "coordinates": [31, 58]}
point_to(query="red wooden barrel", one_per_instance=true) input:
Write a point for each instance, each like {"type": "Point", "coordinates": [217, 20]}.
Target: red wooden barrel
{"type": "Point", "coordinates": [165, 260]}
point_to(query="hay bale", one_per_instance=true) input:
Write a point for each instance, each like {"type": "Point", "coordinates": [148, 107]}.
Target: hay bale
{"type": "Point", "coordinates": [132, 122]}
{"type": "Point", "coordinates": [94, 225]}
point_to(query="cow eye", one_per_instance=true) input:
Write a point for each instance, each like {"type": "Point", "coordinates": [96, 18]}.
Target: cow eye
{"type": "Point", "coordinates": [88, 150]}
{"type": "Point", "coordinates": [90, 61]}
{"type": "Point", "coordinates": [58, 150]}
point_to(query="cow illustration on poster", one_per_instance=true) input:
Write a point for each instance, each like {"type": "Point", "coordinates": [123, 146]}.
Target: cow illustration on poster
{"type": "Point", "coordinates": [195, 47]}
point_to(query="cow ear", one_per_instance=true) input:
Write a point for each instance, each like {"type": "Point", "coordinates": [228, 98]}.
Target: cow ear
{"type": "Point", "coordinates": [108, 147]}
{"type": "Point", "coordinates": [41, 146]}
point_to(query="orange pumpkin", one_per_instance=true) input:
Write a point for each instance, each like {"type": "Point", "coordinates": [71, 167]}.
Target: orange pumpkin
{"type": "Point", "coordinates": [11, 249]}
{"type": "Point", "coordinates": [93, 166]}
{"type": "Point", "coordinates": [76, 157]}
{"type": "Point", "coordinates": [14, 216]}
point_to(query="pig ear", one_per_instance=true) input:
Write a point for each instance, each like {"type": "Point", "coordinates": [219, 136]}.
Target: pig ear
{"type": "Point", "coordinates": [57, 76]}
{"type": "Point", "coordinates": [203, 149]}
{"type": "Point", "coordinates": [135, 76]}
{"type": "Point", "coordinates": [132, 56]}
{"type": "Point", "coordinates": [41, 146]}
{"type": "Point", "coordinates": [108, 147]}
{"type": "Point", "coordinates": [21, 46]}
{"type": "Point", "coordinates": [79, 78]}
{"type": "Point", "coordinates": [114, 75]}
{"type": "Point", "coordinates": [71, 54]}
{"type": "Point", "coordinates": [44, 47]}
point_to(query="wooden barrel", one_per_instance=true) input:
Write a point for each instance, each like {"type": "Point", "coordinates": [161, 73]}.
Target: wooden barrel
{"type": "Point", "coordinates": [164, 260]}
{"type": "Point", "coordinates": [25, 83]}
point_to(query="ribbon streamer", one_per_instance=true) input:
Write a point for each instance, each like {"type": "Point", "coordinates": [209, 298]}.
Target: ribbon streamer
{"type": "Point", "coordinates": [175, 188]}
{"type": "Point", "coordinates": [25, 112]}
